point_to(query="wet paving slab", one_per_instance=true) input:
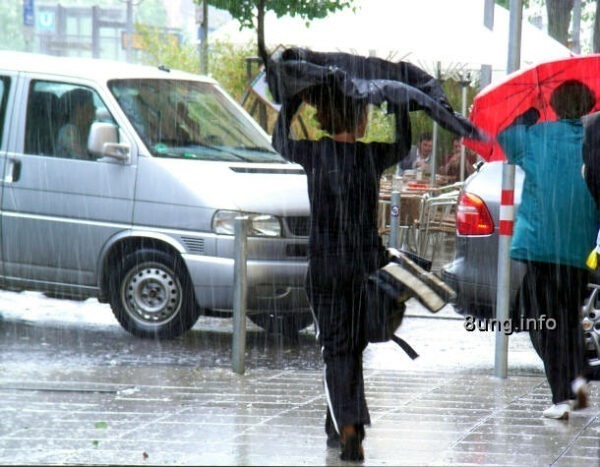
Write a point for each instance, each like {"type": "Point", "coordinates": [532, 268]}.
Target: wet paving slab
{"type": "Point", "coordinates": [267, 418]}
{"type": "Point", "coordinates": [89, 394]}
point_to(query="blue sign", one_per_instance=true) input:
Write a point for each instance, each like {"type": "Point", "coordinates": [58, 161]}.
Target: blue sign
{"type": "Point", "coordinates": [28, 15]}
{"type": "Point", "coordinates": [46, 20]}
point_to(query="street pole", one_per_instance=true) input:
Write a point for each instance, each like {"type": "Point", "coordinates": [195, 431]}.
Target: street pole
{"type": "Point", "coordinates": [28, 23]}
{"type": "Point", "coordinates": [488, 22]}
{"type": "Point", "coordinates": [129, 26]}
{"type": "Point", "coordinates": [576, 45]}
{"type": "Point", "coordinates": [395, 211]}
{"type": "Point", "coordinates": [434, 152]}
{"type": "Point", "coordinates": [507, 211]}
{"type": "Point", "coordinates": [204, 38]}
{"type": "Point", "coordinates": [464, 83]}
{"type": "Point", "coordinates": [240, 292]}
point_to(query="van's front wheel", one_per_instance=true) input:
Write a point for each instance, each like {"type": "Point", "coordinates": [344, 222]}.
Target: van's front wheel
{"type": "Point", "coordinates": [151, 295]}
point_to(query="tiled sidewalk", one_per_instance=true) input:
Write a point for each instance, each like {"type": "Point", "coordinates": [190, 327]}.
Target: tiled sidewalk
{"type": "Point", "coordinates": [209, 416]}
{"type": "Point", "coordinates": [94, 395]}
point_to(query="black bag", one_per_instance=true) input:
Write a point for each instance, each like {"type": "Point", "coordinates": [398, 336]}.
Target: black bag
{"type": "Point", "coordinates": [388, 289]}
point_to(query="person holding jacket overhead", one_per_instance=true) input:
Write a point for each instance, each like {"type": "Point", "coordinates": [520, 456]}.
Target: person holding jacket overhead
{"type": "Point", "coordinates": [343, 183]}
{"type": "Point", "coordinates": [343, 174]}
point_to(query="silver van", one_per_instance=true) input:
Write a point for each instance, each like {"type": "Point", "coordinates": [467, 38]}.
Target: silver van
{"type": "Point", "coordinates": [122, 182]}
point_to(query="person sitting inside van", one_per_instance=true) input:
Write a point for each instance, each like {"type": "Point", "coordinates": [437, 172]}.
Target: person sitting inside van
{"type": "Point", "coordinates": [79, 112]}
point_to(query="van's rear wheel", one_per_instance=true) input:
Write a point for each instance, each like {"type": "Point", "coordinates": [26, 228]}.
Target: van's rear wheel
{"type": "Point", "coordinates": [151, 295]}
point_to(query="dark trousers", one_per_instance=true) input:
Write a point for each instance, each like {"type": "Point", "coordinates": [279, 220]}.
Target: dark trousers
{"type": "Point", "coordinates": [553, 295]}
{"type": "Point", "coordinates": [337, 303]}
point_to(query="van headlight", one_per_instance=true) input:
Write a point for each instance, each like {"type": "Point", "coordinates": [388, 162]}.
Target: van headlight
{"type": "Point", "coordinates": [261, 225]}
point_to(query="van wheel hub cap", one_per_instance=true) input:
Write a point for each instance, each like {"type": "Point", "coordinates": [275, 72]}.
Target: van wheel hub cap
{"type": "Point", "coordinates": [152, 294]}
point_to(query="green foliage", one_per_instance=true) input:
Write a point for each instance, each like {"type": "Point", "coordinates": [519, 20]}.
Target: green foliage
{"type": "Point", "coordinates": [245, 10]}
{"type": "Point", "coordinates": [381, 125]}
{"type": "Point", "coordinates": [228, 67]}
{"type": "Point", "coordinates": [453, 91]}
{"type": "Point", "coordinates": [162, 49]}
{"type": "Point", "coordinates": [227, 63]}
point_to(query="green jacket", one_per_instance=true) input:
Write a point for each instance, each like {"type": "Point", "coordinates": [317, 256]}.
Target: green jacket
{"type": "Point", "coordinates": [557, 220]}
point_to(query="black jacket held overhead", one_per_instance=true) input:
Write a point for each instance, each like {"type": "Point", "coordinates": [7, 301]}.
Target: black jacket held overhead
{"type": "Point", "coordinates": [404, 86]}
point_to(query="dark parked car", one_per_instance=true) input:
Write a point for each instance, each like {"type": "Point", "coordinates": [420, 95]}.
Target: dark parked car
{"type": "Point", "coordinates": [473, 272]}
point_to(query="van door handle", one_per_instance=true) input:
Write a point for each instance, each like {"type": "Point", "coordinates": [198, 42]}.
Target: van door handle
{"type": "Point", "coordinates": [13, 171]}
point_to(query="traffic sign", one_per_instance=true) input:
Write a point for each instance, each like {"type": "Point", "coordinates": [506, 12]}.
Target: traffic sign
{"type": "Point", "coordinates": [28, 15]}
{"type": "Point", "coordinates": [46, 20]}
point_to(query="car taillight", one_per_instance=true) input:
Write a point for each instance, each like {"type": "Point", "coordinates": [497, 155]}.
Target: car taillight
{"type": "Point", "coordinates": [473, 216]}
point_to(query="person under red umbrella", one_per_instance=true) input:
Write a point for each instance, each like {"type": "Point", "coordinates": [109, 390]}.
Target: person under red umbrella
{"type": "Point", "coordinates": [556, 222]}
{"type": "Point", "coordinates": [495, 107]}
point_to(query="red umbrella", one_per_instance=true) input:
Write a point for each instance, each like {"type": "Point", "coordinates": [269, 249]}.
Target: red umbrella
{"type": "Point", "coordinates": [496, 107]}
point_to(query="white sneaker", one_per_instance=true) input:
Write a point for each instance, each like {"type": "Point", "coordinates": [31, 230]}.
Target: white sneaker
{"type": "Point", "coordinates": [558, 411]}
{"type": "Point", "coordinates": [581, 391]}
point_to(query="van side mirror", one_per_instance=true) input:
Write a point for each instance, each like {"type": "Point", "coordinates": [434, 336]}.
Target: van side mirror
{"type": "Point", "coordinates": [103, 141]}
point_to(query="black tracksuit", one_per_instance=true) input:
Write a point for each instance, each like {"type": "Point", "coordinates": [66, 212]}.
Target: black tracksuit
{"type": "Point", "coordinates": [555, 293]}
{"type": "Point", "coordinates": [344, 247]}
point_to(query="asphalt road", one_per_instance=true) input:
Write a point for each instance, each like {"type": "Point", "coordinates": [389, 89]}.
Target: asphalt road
{"type": "Point", "coordinates": [36, 328]}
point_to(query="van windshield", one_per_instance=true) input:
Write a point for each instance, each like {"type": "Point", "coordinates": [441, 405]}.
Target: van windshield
{"type": "Point", "coordinates": [191, 120]}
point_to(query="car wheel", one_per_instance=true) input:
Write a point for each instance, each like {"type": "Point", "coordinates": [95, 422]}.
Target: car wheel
{"type": "Point", "coordinates": [288, 325]}
{"type": "Point", "coordinates": [151, 295]}
{"type": "Point", "coordinates": [591, 328]}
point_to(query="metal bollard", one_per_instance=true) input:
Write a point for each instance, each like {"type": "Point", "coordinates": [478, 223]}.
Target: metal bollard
{"type": "Point", "coordinates": [395, 212]}
{"type": "Point", "coordinates": [240, 254]}
{"type": "Point", "coordinates": [507, 216]}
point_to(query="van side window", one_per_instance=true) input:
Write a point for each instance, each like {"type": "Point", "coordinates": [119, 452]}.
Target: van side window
{"type": "Point", "coordinates": [4, 87]}
{"type": "Point", "coordinates": [59, 117]}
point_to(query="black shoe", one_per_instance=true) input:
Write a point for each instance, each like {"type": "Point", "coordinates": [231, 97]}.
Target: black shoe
{"type": "Point", "coordinates": [352, 449]}
{"type": "Point", "coordinates": [333, 440]}
{"type": "Point", "coordinates": [351, 444]}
